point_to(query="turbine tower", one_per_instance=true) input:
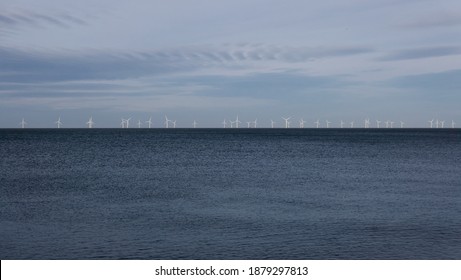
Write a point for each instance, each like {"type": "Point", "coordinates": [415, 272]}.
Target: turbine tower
{"type": "Point", "coordinates": [432, 123]}
{"type": "Point", "coordinates": [377, 123]}
{"type": "Point", "coordinates": [352, 124]}
{"type": "Point", "coordinates": [58, 122]}
{"type": "Point", "coordinates": [442, 123]}
{"type": "Point", "coordinates": [237, 122]}
{"type": "Point", "coordinates": [167, 122]}
{"type": "Point", "coordinates": [139, 123]}
{"type": "Point", "coordinates": [127, 122]}
{"type": "Point", "coordinates": [255, 123]}
{"type": "Point", "coordinates": [23, 123]}
{"type": "Point", "coordinates": [452, 124]}
{"type": "Point", "coordinates": [317, 123]}
{"type": "Point", "coordinates": [194, 124]}
{"type": "Point", "coordinates": [149, 122]}
{"type": "Point", "coordinates": [342, 124]}
{"type": "Point", "coordinates": [272, 124]}
{"type": "Point", "coordinates": [301, 123]}
{"type": "Point", "coordinates": [122, 123]}
{"type": "Point", "coordinates": [401, 124]}
{"type": "Point", "coordinates": [90, 122]}
{"type": "Point", "coordinates": [224, 123]}
{"type": "Point", "coordinates": [328, 123]}
{"type": "Point", "coordinates": [287, 123]}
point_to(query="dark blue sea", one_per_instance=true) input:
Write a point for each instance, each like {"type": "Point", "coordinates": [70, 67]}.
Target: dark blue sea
{"type": "Point", "coordinates": [230, 194]}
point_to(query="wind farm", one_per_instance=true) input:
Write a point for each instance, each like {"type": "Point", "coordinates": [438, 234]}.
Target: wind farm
{"type": "Point", "coordinates": [228, 123]}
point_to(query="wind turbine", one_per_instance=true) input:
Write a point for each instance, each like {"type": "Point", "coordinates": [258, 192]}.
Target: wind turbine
{"type": "Point", "coordinates": [377, 123]}
{"type": "Point", "coordinates": [255, 123]}
{"type": "Point", "coordinates": [287, 123]}
{"type": "Point", "coordinates": [387, 124]}
{"type": "Point", "coordinates": [224, 123]}
{"type": "Point", "coordinates": [194, 124]}
{"type": "Point", "coordinates": [301, 123]}
{"type": "Point", "coordinates": [127, 122]}
{"type": "Point", "coordinates": [149, 122]}
{"type": "Point", "coordinates": [90, 122]}
{"type": "Point", "coordinates": [352, 124]}
{"type": "Point", "coordinates": [437, 123]}
{"type": "Point", "coordinates": [328, 123]}
{"type": "Point", "coordinates": [401, 124]}
{"type": "Point", "coordinates": [342, 124]}
{"type": "Point", "coordinates": [442, 123]}
{"type": "Point", "coordinates": [23, 123]}
{"type": "Point", "coordinates": [174, 124]}
{"type": "Point", "coordinates": [139, 123]}
{"type": "Point", "coordinates": [167, 122]}
{"type": "Point", "coordinates": [272, 124]}
{"type": "Point", "coordinates": [317, 123]}
{"type": "Point", "coordinates": [58, 122]}
{"type": "Point", "coordinates": [122, 123]}
{"type": "Point", "coordinates": [367, 123]}
{"type": "Point", "coordinates": [237, 122]}
{"type": "Point", "coordinates": [248, 124]}
{"type": "Point", "coordinates": [432, 123]}
{"type": "Point", "coordinates": [392, 124]}
{"type": "Point", "coordinates": [452, 124]}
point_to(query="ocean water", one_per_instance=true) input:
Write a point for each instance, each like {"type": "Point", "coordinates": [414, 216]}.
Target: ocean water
{"type": "Point", "coordinates": [230, 194]}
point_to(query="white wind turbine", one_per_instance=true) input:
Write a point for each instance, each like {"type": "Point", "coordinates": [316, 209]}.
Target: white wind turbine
{"type": "Point", "coordinates": [387, 123]}
{"type": "Point", "coordinates": [442, 123]}
{"type": "Point", "coordinates": [149, 122]}
{"type": "Point", "coordinates": [437, 123]}
{"type": "Point", "coordinates": [90, 122]}
{"type": "Point", "coordinates": [392, 124]}
{"type": "Point", "coordinates": [342, 124]}
{"type": "Point", "coordinates": [255, 123]}
{"type": "Point", "coordinates": [232, 124]}
{"type": "Point", "coordinates": [237, 122]}
{"type": "Point", "coordinates": [377, 123]}
{"type": "Point", "coordinates": [367, 123]}
{"type": "Point", "coordinates": [174, 124]}
{"type": "Point", "coordinates": [167, 122]}
{"type": "Point", "coordinates": [452, 124]}
{"type": "Point", "coordinates": [272, 124]}
{"type": "Point", "coordinates": [287, 123]}
{"type": "Point", "coordinates": [127, 122]}
{"type": "Point", "coordinates": [58, 122]}
{"type": "Point", "coordinates": [317, 123]}
{"type": "Point", "coordinates": [224, 123]}
{"type": "Point", "coordinates": [139, 123]}
{"type": "Point", "coordinates": [401, 124]}
{"type": "Point", "coordinates": [352, 124]}
{"type": "Point", "coordinates": [431, 122]}
{"type": "Point", "coordinates": [194, 124]}
{"type": "Point", "coordinates": [122, 123]}
{"type": "Point", "coordinates": [248, 124]}
{"type": "Point", "coordinates": [328, 123]}
{"type": "Point", "coordinates": [23, 123]}
{"type": "Point", "coordinates": [301, 123]}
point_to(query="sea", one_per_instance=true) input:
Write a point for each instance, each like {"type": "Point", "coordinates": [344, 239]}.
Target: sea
{"type": "Point", "coordinates": [348, 194]}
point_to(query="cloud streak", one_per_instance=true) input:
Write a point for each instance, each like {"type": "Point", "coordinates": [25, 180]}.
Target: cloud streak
{"type": "Point", "coordinates": [421, 53]}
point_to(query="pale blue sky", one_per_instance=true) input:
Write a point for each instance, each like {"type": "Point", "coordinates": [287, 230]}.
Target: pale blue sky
{"type": "Point", "coordinates": [211, 60]}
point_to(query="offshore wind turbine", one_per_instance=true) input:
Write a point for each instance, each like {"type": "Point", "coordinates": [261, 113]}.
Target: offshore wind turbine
{"type": "Point", "coordinates": [255, 123]}
{"type": "Point", "coordinates": [272, 124]}
{"type": "Point", "coordinates": [139, 123]}
{"type": "Point", "coordinates": [452, 124]}
{"type": "Point", "coordinates": [149, 122]}
{"type": "Point", "coordinates": [194, 124]}
{"type": "Point", "coordinates": [301, 123]}
{"type": "Point", "coordinates": [352, 124]}
{"type": "Point", "coordinates": [23, 123]}
{"type": "Point", "coordinates": [237, 122]}
{"type": "Point", "coordinates": [167, 122]}
{"type": "Point", "coordinates": [58, 122]}
{"type": "Point", "coordinates": [317, 123]}
{"type": "Point", "coordinates": [174, 124]}
{"type": "Point", "coordinates": [392, 124]}
{"type": "Point", "coordinates": [377, 123]}
{"type": "Point", "coordinates": [432, 123]}
{"type": "Point", "coordinates": [367, 123]}
{"type": "Point", "coordinates": [342, 124]}
{"type": "Point", "coordinates": [90, 122]}
{"type": "Point", "coordinates": [442, 123]}
{"type": "Point", "coordinates": [248, 124]}
{"type": "Point", "coordinates": [287, 123]}
{"type": "Point", "coordinates": [328, 123]}
{"type": "Point", "coordinates": [122, 123]}
{"type": "Point", "coordinates": [224, 123]}
{"type": "Point", "coordinates": [387, 124]}
{"type": "Point", "coordinates": [401, 124]}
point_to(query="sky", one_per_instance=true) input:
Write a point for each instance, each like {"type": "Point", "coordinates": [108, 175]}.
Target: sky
{"type": "Point", "coordinates": [210, 60]}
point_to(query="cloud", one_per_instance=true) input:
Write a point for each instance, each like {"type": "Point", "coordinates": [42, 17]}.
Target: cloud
{"type": "Point", "coordinates": [437, 84]}
{"type": "Point", "coordinates": [420, 53]}
{"type": "Point", "coordinates": [434, 20]}
{"type": "Point", "coordinates": [35, 19]}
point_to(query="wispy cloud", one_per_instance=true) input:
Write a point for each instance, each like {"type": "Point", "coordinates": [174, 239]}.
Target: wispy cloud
{"type": "Point", "coordinates": [419, 53]}
{"type": "Point", "coordinates": [28, 18]}
{"type": "Point", "coordinates": [434, 20]}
